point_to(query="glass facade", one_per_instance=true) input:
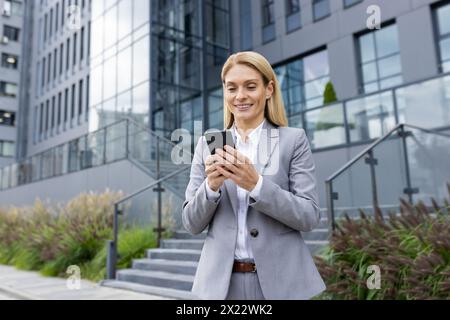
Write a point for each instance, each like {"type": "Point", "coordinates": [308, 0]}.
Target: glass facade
{"type": "Point", "coordinates": [119, 82]}
{"type": "Point", "coordinates": [380, 64]}
{"type": "Point", "coordinates": [193, 43]}
{"type": "Point", "coordinates": [443, 26]}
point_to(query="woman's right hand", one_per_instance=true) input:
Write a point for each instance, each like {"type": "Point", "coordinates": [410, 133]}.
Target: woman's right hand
{"type": "Point", "coordinates": [214, 178]}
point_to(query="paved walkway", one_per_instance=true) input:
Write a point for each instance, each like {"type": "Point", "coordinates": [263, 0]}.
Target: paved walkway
{"type": "Point", "coordinates": [16, 284]}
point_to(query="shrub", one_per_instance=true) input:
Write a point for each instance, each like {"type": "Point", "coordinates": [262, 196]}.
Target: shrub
{"type": "Point", "coordinates": [51, 238]}
{"type": "Point", "coordinates": [412, 251]}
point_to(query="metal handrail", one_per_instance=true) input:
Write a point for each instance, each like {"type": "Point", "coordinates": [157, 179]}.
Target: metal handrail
{"type": "Point", "coordinates": [113, 244]}
{"type": "Point", "coordinates": [331, 196]}
{"type": "Point", "coordinates": [111, 264]}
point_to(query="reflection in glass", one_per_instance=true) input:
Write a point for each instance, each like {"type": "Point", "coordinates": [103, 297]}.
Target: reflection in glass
{"type": "Point", "coordinates": [140, 111]}
{"type": "Point", "coordinates": [124, 70]}
{"type": "Point", "coordinates": [141, 12]}
{"type": "Point", "coordinates": [97, 37]}
{"type": "Point", "coordinates": [370, 117]}
{"type": "Point", "coordinates": [141, 61]}
{"type": "Point", "coordinates": [426, 104]}
{"type": "Point", "coordinates": [325, 126]}
{"type": "Point", "coordinates": [110, 33]}
{"type": "Point", "coordinates": [109, 79]}
{"type": "Point", "coordinates": [125, 21]}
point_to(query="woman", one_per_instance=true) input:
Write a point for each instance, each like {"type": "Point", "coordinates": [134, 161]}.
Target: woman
{"type": "Point", "coordinates": [254, 198]}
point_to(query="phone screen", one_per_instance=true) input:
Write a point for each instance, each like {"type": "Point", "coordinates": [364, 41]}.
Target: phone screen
{"type": "Point", "coordinates": [218, 139]}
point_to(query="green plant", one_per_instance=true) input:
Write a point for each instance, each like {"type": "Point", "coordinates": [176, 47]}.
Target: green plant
{"type": "Point", "coordinates": [50, 238]}
{"type": "Point", "coordinates": [412, 251]}
{"type": "Point", "coordinates": [329, 95]}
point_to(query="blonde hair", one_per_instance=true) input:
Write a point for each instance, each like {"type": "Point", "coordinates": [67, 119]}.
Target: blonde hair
{"type": "Point", "coordinates": [274, 109]}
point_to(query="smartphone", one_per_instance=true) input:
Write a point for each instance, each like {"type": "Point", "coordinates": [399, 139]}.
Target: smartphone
{"type": "Point", "coordinates": [218, 139]}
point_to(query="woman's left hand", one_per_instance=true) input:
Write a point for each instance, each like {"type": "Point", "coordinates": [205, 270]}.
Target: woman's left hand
{"type": "Point", "coordinates": [238, 168]}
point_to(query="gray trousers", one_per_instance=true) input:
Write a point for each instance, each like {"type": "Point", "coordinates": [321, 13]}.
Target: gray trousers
{"type": "Point", "coordinates": [244, 286]}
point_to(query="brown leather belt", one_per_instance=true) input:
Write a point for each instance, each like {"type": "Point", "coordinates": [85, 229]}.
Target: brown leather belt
{"type": "Point", "coordinates": [239, 266]}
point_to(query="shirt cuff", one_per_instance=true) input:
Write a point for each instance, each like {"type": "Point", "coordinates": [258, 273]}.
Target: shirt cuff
{"type": "Point", "coordinates": [257, 189]}
{"type": "Point", "coordinates": [210, 194]}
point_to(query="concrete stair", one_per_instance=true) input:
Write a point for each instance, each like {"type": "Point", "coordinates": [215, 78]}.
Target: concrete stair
{"type": "Point", "coordinates": [169, 270]}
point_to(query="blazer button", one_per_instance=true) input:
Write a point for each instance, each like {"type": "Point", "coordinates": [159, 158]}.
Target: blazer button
{"type": "Point", "coordinates": [254, 233]}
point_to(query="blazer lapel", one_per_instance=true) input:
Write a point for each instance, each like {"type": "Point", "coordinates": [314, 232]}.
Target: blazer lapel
{"type": "Point", "coordinates": [267, 143]}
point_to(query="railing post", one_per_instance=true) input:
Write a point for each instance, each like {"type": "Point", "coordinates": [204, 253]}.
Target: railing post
{"type": "Point", "coordinates": [111, 263]}
{"type": "Point", "coordinates": [330, 204]}
{"type": "Point", "coordinates": [372, 162]}
{"type": "Point", "coordinates": [127, 137]}
{"type": "Point", "coordinates": [409, 190]}
{"type": "Point", "coordinates": [104, 144]}
{"type": "Point", "coordinates": [160, 190]}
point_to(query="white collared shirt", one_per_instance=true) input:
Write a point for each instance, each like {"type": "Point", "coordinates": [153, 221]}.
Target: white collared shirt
{"type": "Point", "coordinates": [250, 150]}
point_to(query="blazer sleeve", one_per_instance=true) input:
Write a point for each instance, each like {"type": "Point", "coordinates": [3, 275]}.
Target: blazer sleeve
{"type": "Point", "coordinates": [297, 208]}
{"type": "Point", "coordinates": [197, 209]}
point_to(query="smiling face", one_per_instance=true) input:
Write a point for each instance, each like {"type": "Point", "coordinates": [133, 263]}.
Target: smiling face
{"type": "Point", "coordinates": [246, 95]}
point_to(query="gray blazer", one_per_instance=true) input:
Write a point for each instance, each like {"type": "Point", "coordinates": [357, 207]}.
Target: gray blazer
{"type": "Point", "coordinates": [287, 204]}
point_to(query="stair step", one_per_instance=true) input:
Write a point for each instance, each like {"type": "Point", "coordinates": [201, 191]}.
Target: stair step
{"type": "Point", "coordinates": [141, 288]}
{"type": "Point", "coordinates": [179, 267]}
{"type": "Point", "coordinates": [193, 244]}
{"type": "Point", "coordinates": [157, 278]}
{"type": "Point", "coordinates": [182, 234]}
{"type": "Point", "coordinates": [315, 246]}
{"type": "Point", "coordinates": [316, 234]}
{"type": "Point", "coordinates": [174, 254]}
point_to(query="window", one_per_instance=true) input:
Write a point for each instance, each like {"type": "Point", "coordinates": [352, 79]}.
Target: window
{"type": "Point", "coordinates": [443, 29]}
{"type": "Point", "coordinates": [50, 27]}
{"type": "Point", "coordinates": [61, 58]}
{"type": "Point", "coordinates": [47, 111]}
{"type": "Point", "coordinates": [246, 24]}
{"type": "Point", "coordinates": [63, 7]}
{"type": "Point", "coordinates": [82, 44]}
{"type": "Point", "coordinates": [11, 33]}
{"type": "Point", "coordinates": [57, 17]}
{"type": "Point", "coordinates": [349, 3]}
{"type": "Point", "coordinates": [80, 97]}
{"type": "Point", "coordinates": [67, 54]}
{"type": "Point", "coordinates": [58, 120]}
{"type": "Point", "coordinates": [49, 65]}
{"type": "Point", "coordinates": [7, 118]}
{"type": "Point", "coordinates": [72, 104]}
{"type": "Point", "coordinates": [43, 73]}
{"type": "Point", "coordinates": [6, 149]}
{"type": "Point", "coordinates": [380, 65]}
{"type": "Point", "coordinates": [9, 61]}
{"type": "Point", "coordinates": [53, 115]}
{"type": "Point", "coordinates": [268, 20]}
{"type": "Point", "coordinates": [74, 61]}
{"type": "Point", "coordinates": [12, 8]}
{"type": "Point", "coordinates": [66, 104]}
{"type": "Point", "coordinates": [303, 82]}
{"type": "Point", "coordinates": [321, 9]}
{"type": "Point", "coordinates": [8, 89]}
{"type": "Point", "coordinates": [293, 15]}
{"type": "Point", "coordinates": [45, 26]}
{"type": "Point", "coordinates": [55, 63]}
{"type": "Point", "coordinates": [41, 119]}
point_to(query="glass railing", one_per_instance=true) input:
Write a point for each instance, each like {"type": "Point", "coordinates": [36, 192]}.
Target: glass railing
{"type": "Point", "coordinates": [125, 139]}
{"type": "Point", "coordinates": [360, 120]}
{"type": "Point", "coordinates": [407, 163]}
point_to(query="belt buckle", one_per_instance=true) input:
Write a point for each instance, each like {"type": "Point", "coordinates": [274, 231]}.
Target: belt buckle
{"type": "Point", "coordinates": [253, 268]}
